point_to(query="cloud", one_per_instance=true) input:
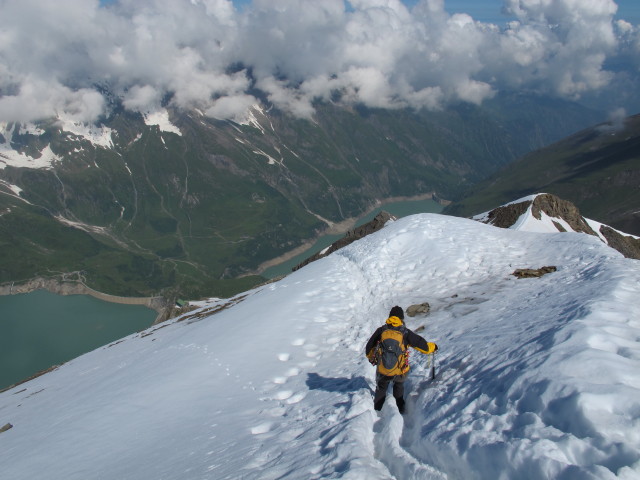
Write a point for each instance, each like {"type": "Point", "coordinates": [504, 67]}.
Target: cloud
{"type": "Point", "coordinates": [142, 97]}
{"type": "Point", "coordinates": [572, 39]}
{"type": "Point", "coordinates": [207, 54]}
{"type": "Point", "coordinates": [38, 99]}
{"type": "Point", "coordinates": [231, 107]}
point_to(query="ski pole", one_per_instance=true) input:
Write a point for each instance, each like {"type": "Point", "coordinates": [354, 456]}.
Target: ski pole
{"type": "Point", "coordinates": [432, 362]}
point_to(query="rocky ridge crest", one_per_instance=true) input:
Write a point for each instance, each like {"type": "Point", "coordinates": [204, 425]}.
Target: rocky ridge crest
{"type": "Point", "coordinates": [507, 215]}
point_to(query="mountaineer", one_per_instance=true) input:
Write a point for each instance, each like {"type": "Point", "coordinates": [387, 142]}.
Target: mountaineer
{"type": "Point", "coordinates": [388, 350]}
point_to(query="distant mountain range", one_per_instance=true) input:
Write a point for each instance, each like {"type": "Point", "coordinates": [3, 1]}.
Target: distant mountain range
{"type": "Point", "coordinates": [598, 169]}
{"type": "Point", "coordinates": [176, 203]}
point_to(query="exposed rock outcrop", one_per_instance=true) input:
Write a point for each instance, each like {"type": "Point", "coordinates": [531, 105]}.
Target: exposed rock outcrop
{"type": "Point", "coordinates": [558, 208]}
{"type": "Point", "coordinates": [628, 246]}
{"type": "Point", "coordinates": [533, 272]}
{"type": "Point", "coordinates": [507, 215]}
{"type": "Point", "coordinates": [351, 236]}
{"type": "Point", "coordinates": [420, 309]}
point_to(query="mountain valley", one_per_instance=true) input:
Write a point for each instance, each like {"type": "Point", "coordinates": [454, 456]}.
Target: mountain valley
{"type": "Point", "coordinates": [179, 204]}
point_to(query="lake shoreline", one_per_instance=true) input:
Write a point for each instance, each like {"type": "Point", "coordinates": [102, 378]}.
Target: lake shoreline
{"type": "Point", "coordinates": [63, 285]}
{"type": "Point", "coordinates": [340, 229]}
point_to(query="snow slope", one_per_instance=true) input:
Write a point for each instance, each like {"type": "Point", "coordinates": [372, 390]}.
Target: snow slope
{"type": "Point", "coordinates": [537, 378]}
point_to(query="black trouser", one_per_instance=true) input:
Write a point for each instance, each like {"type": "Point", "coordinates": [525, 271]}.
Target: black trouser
{"type": "Point", "coordinates": [382, 384]}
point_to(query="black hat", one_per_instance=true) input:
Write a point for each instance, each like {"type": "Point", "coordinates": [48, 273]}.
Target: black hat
{"type": "Point", "coordinates": [397, 312]}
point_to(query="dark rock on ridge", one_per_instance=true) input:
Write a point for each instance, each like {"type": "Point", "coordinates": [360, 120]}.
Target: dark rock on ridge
{"type": "Point", "coordinates": [507, 215]}
{"type": "Point", "coordinates": [626, 245]}
{"type": "Point", "coordinates": [351, 236]}
{"type": "Point", "coordinates": [559, 208]}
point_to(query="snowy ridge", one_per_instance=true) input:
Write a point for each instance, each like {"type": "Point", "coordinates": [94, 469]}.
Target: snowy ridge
{"type": "Point", "coordinates": [545, 224]}
{"type": "Point", "coordinates": [537, 378]}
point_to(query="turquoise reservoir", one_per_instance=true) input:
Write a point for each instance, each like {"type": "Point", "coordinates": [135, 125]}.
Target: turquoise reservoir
{"type": "Point", "coordinates": [41, 329]}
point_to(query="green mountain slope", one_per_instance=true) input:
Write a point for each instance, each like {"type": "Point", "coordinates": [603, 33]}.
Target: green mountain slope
{"type": "Point", "coordinates": [598, 169]}
{"type": "Point", "coordinates": [194, 214]}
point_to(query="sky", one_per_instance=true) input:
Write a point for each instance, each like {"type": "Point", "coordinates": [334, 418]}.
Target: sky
{"type": "Point", "coordinates": [212, 55]}
{"type": "Point", "coordinates": [535, 378]}
{"type": "Point", "coordinates": [491, 10]}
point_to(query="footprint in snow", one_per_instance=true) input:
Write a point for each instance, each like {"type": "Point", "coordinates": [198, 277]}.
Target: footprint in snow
{"type": "Point", "coordinates": [264, 427]}
{"type": "Point", "coordinates": [283, 395]}
{"type": "Point", "coordinates": [298, 397]}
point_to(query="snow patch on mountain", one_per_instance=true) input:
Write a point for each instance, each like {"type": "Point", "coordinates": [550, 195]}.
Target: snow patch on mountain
{"type": "Point", "coordinates": [13, 190]}
{"type": "Point", "coordinates": [250, 118]}
{"type": "Point", "coordinates": [161, 119]}
{"type": "Point", "coordinates": [13, 158]}
{"type": "Point", "coordinates": [271, 160]}
{"type": "Point", "coordinates": [82, 226]}
{"type": "Point", "coordinates": [536, 378]}
{"type": "Point", "coordinates": [9, 156]}
{"type": "Point", "coordinates": [98, 135]}
{"type": "Point", "coordinates": [545, 224]}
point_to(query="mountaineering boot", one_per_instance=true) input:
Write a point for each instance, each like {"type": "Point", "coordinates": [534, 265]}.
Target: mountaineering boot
{"type": "Point", "coordinates": [401, 405]}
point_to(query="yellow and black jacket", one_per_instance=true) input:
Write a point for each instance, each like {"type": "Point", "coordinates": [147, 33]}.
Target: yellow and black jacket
{"type": "Point", "coordinates": [394, 328]}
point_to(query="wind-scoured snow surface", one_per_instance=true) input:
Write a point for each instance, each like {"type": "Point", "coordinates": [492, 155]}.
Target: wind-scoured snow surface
{"type": "Point", "coordinates": [536, 378]}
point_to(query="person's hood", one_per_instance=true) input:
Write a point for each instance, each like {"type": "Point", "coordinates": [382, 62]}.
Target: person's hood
{"type": "Point", "coordinates": [394, 321]}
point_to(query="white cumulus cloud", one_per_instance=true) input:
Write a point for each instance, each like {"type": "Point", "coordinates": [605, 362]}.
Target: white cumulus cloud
{"type": "Point", "coordinates": [210, 55]}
